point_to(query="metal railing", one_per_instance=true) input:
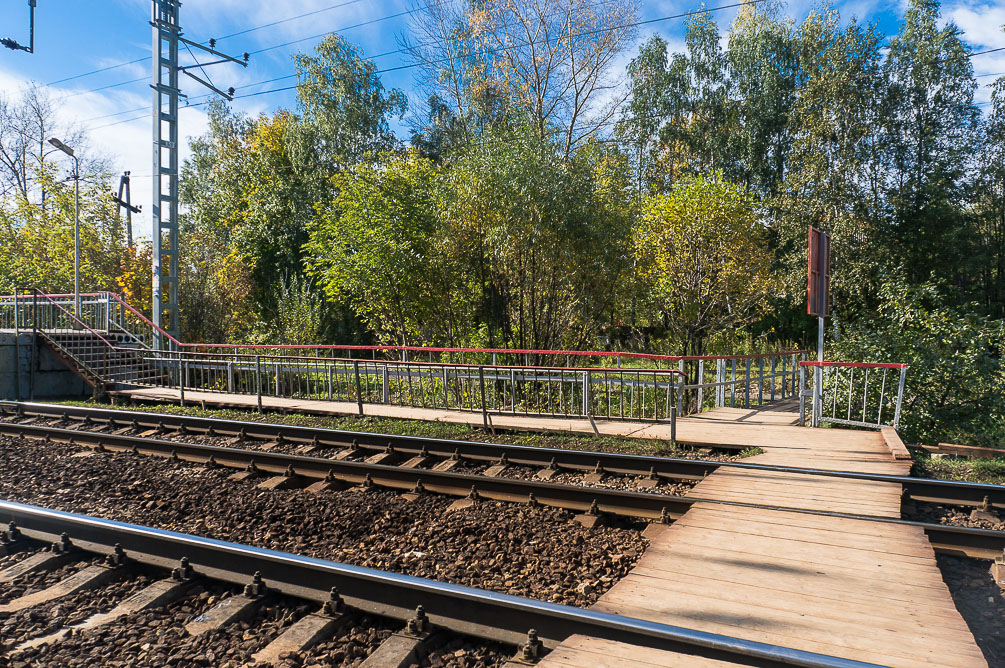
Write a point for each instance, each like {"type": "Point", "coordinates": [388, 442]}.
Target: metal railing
{"type": "Point", "coordinates": [564, 383]}
{"type": "Point", "coordinates": [860, 394]}
{"type": "Point", "coordinates": [651, 395]}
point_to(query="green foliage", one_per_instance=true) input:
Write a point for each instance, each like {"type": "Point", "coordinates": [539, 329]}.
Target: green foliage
{"type": "Point", "coordinates": [702, 258]}
{"type": "Point", "coordinates": [930, 123]}
{"type": "Point", "coordinates": [37, 246]}
{"type": "Point", "coordinates": [509, 244]}
{"type": "Point", "coordinates": [376, 247]}
{"type": "Point", "coordinates": [251, 186]}
{"type": "Point", "coordinates": [956, 380]}
{"type": "Point", "coordinates": [299, 316]}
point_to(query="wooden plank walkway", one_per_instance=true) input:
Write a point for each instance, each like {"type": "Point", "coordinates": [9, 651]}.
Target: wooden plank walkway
{"type": "Point", "coordinates": [837, 586]}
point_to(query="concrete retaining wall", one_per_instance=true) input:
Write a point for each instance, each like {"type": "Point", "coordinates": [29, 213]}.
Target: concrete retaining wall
{"type": "Point", "coordinates": [52, 379]}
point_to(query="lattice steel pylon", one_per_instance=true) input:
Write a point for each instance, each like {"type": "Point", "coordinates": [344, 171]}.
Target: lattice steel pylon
{"type": "Point", "coordinates": [167, 35]}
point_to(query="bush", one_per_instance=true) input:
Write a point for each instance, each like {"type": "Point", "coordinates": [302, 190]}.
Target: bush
{"type": "Point", "coordinates": [955, 381]}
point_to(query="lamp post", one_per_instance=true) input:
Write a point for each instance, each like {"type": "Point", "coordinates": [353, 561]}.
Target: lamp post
{"type": "Point", "coordinates": [76, 224]}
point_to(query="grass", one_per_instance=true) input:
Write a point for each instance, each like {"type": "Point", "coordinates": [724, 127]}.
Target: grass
{"type": "Point", "coordinates": [991, 471]}
{"type": "Point", "coordinates": [431, 429]}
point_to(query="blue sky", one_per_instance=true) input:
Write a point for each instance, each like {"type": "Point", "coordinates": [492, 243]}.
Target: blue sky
{"type": "Point", "coordinates": [73, 37]}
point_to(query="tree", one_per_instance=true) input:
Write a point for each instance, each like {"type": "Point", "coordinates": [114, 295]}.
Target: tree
{"type": "Point", "coordinates": [36, 242]}
{"type": "Point", "coordinates": [344, 107]}
{"type": "Point", "coordinates": [27, 121]}
{"type": "Point", "coordinates": [251, 186]}
{"type": "Point", "coordinates": [929, 123]}
{"type": "Point", "coordinates": [375, 246]}
{"type": "Point", "coordinates": [551, 61]}
{"type": "Point", "coordinates": [989, 203]}
{"type": "Point", "coordinates": [702, 254]}
{"type": "Point", "coordinates": [763, 67]}
{"type": "Point", "coordinates": [833, 166]}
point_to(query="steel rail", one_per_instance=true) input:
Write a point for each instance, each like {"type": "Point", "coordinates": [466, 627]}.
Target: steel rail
{"type": "Point", "coordinates": [571, 497]}
{"type": "Point", "coordinates": [960, 541]}
{"type": "Point", "coordinates": [477, 612]}
{"type": "Point", "coordinates": [951, 492]}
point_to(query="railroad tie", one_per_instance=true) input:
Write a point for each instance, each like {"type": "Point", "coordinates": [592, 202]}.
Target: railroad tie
{"type": "Point", "coordinates": [404, 648]}
{"type": "Point", "coordinates": [86, 578]}
{"type": "Point", "coordinates": [156, 595]}
{"type": "Point", "coordinates": [304, 634]}
{"type": "Point", "coordinates": [36, 562]}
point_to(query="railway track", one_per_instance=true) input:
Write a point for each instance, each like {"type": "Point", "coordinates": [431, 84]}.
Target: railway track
{"type": "Point", "coordinates": [654, 468]}
{"type": "Point", "coordinates": [427, 613]}
{"type": "Point", "coordinates": [407, 478]}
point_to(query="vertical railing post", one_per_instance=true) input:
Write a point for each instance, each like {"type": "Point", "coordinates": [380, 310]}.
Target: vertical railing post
{"type": "Point", "coordinates": [258, 380]}
{"type": "Point", "coordinates": [275, 369]}
{"type": "Point", "coordinates": [586, 393]}
{"type": "Point", "coordinates": [701, 384]}
{"type": "Point", "coordinates": [17, 351]}
{"type": "Point", "coordinates": [359, 389]}
{"type": "Point", "coordinates": [481, 381]}
{"type": "Point", "coordinates": [732, 383]}
{"type": "Point", "coordinates": [818, 405]}
{"type": "Point", "coordinates": [746, 384]}
{"type": "Point", "coordinates": [385, 385]}
{"type": "Point", "coordinates": [900, 397]}
{"type": "Point", "coordinates": [802, 397]}
{"type": "Point", "coordinates": [720, 379]}
{"type": "Point", "coordinates": [331, 371]}
{"type": "Point", "coordinates": [683, 378]}
{"type": "Point", "coordinates": [181, 380]}
{"type": "Point", "coordinates": [760, 381]}
{"type": "Point", "coordinates": [513, 390]}
{"type": "Point", "coordinates": [34, 346]}
{"type": "Point", "coordinates": [230, 377]}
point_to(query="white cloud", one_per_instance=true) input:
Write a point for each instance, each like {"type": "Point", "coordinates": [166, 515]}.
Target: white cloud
{"type": "Point", "coordinates": [125, 139]}
{"type": "Point", "coordinates": [981, 23]}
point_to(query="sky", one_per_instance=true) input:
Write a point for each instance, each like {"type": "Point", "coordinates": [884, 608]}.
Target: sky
{"type": "Point", "coordinates": [76, 37]}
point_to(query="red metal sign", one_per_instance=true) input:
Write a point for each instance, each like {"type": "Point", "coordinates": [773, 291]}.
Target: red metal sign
{"type": "Point", "coordinates": [818, 283]}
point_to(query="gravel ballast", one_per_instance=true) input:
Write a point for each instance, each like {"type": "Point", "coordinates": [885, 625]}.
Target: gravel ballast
{"type": "Point", "coordinates": [516, 549]}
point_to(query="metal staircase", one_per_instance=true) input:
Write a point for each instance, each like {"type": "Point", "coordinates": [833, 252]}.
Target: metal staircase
{"type": "Point", "coordinates": [105, 343]}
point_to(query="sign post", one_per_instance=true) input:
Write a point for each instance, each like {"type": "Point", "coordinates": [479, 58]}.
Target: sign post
{"type": "Point", "coordinates": [818, 304]}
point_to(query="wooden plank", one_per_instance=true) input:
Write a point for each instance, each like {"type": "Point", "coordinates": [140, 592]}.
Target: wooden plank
{"type": "Point", "coordinates": [799, 632]}
{"type": "Point", "coordinates": [585, 652]}
{"type": "Point", "coordinates": [831, 539]}
{"type": "Point", "coordinates": [969, 451]}
{"type": "Point", "coordinates": [931, 603]}
{"type": "Point", "coordinates": [803, 601]}
{"type": "Point", "coordinates": [893, 442]}
{"type": "Point", "coordinates": [768, 551]}
{"type": "Point", "coordinates": [797, 519]}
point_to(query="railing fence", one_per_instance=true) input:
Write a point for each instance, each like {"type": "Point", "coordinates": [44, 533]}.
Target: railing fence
{"type": "Point", "coordinates": [852, 393]}
{"type": "Point", "coordinates": [113, 340]}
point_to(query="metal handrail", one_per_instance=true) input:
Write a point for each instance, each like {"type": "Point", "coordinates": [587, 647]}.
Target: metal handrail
{"type": "Point", "coordinates": [857, 407]}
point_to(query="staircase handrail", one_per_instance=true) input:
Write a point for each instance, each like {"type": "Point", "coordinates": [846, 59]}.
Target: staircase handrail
{"type": "Point", "coordinates": [146, 320]}
{"type": "Point", "coordinates": [73, 317]}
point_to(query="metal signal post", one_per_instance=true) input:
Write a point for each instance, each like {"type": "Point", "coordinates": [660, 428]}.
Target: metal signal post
{"type": "Point", "coordinates": [167, 35]}
{"type": "Point", "coordinates": [818, 304]}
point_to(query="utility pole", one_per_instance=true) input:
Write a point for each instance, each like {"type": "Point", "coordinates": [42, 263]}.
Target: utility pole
{"type": "Point", "coordinates": [167, 35]}
{"type": "Point", "coordinates": [12, 43]}
{"type": "Point", "coordinates": [127, 204]}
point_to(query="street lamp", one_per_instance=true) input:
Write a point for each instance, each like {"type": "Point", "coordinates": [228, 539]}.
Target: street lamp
{"type": "Point", "coordinates": [76, 224]}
